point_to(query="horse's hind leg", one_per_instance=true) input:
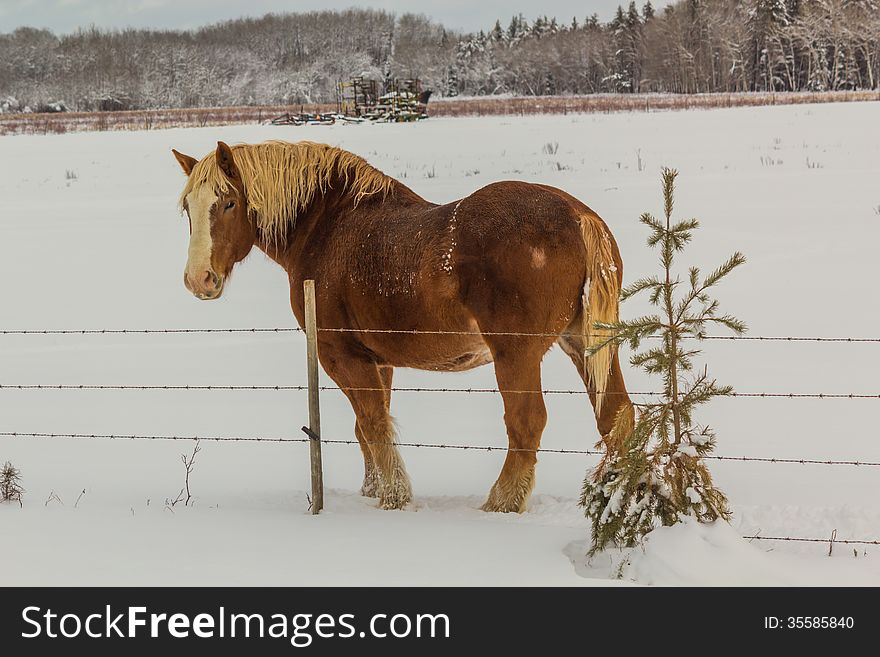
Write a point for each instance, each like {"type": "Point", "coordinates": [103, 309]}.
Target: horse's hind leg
{"type": "Point", "coordinates": [370, 487]}
{"type": "Point", "coordinates": [616, 396]}
{"type": "Point", "coordinates": [518, 372]}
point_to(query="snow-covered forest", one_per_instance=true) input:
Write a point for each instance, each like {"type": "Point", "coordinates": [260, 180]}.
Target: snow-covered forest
{"type": "Point", "coordinates": [689, 47]}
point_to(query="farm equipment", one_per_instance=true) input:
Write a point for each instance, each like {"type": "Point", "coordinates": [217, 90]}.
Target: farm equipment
{"type": "Point", "coordinates": [359, 101]}
{"type": "Point", "coordinates": [304, 118]}
{"type": "Point", "coordinates": [402, 100]}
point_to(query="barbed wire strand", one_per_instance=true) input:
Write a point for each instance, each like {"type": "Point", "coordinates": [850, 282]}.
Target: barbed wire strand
{"type": "Point", "coordinates": [475, 448]}
{"type": "Point", "coordinates": [813, 540]}
{"type": "Point", "coordinates": [549, 391]}
{"type": "Point", "coordinates": [563, 334]}
{"type": "Point", "coordinates": [295, 329]}
{"type": "Point", "coordinates": [291, 329]}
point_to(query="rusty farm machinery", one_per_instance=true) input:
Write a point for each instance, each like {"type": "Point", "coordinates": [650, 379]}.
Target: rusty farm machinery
{"type": "Point", "coordinates": [359, 101]}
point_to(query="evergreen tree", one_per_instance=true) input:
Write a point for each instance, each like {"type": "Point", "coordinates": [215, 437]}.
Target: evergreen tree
{"type": "Point", "coordinates": [497, 33]}
{"type": "Point", "coordinates": [767, 20]}
{"type": "Point", "coordinates": [648, 11]}
{"type": "Point", "coordinates": [619, 19]}
{"type": "Point", "coordinates": [513, 29]}
{"type": "Point", "coordinates": [656, 475]}
{"type": "Point", "coordinates": [518, 28]}
{"type": "Point", "coordinates": [539, 27]}
{"type": "Point", "coordinates": [632, 15]}
{"type": "Point", "coordinates": [451, 81]}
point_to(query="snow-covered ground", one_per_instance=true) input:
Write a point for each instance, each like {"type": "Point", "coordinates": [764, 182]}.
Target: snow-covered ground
{"type": "Point", "coordinates": [91, 238]}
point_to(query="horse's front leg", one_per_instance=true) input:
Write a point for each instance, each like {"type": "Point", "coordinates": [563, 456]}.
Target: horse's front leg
{"type": "Point", "coordinates": [366, 386]}
{"type": "Point", "coordinates": [370, 486]}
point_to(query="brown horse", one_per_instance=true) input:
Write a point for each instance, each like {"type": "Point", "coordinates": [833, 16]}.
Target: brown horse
{"type": "Point", "coordinates": [498, 276]}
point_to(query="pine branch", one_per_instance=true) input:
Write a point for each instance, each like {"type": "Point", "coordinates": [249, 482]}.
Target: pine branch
{"type": "Point", "coordinates": [657, 228]}
{"type": "Point", "coordinates": [732, 263]}
{"type": "Point", "coordinates": [680, 233]}
{"type": "Point", "coordinates": [632, 332]}
{"type": "Point", "coordinates": [668, 175]}
{"type": "Point", "coordinates": [653, 361]}
{"type": "Point", "coordinates": [639, 286]}
{"type": "Point", "coordinates": [737, 326]}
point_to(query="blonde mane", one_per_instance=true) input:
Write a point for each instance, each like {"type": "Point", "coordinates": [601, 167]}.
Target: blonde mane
{"type": "Point", "coordinates": [281, 178]}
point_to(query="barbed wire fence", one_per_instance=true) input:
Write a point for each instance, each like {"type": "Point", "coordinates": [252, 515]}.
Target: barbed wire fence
{"type": "Point", "coordinates": [312, 436]}
{"type": "Point", "coordinates": [297, 329]}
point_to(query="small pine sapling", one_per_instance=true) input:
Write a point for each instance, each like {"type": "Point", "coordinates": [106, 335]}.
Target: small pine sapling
{"type": "Point", "coordinates": [10, 484]}
{"type": "Point", "coordinates": [656, 475]}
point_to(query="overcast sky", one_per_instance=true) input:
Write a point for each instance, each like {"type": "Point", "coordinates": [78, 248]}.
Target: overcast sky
{"type": "Point", "coordinates": [66, 15]}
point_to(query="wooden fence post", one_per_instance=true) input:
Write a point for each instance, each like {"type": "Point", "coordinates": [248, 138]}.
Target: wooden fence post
{"type": "Point", "coordinates": [314, 408]}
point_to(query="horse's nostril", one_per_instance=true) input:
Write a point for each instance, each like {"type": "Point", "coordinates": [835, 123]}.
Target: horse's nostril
{"type": "Point", "coordinates": [202, 282]}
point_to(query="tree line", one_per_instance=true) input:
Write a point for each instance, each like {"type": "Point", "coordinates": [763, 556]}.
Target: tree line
{"type": "Point", "coordinates": [692, 46]}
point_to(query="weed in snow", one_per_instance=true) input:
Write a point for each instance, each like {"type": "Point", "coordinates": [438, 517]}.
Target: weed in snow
{"type": "Point", "coordinates": [185, 495]}
{"type": "Point", "coordinates": [770, 161]}
{"type": "Point", "coordinates": [10, 484]}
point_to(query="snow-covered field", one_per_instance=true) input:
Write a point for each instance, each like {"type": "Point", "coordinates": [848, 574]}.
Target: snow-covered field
{"type": "Point", "coordinates": [91, 238]}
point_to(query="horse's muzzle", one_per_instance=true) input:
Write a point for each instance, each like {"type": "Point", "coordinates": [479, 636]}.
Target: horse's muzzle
{"type": "Point", "coordinates": [206, 285]}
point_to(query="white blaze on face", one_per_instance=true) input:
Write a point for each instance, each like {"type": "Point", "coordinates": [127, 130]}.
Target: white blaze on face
{"type": "Point", "coordinates": [199, 202]}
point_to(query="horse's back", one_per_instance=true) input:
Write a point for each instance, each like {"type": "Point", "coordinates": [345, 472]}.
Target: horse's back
{"type": "Point", "coordinates": [522, 208]}
{"type": "Point", "coordinates": [512, 225]}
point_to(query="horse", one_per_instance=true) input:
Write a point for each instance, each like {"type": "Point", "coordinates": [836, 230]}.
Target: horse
{"type": "Point", "coordinates": [498, 276]}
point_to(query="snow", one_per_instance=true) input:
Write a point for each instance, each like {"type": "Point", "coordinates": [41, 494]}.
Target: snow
{"type": "Point", "coordinates": [688, 450]}
{"type": "Point", "coordinates": [106, 249]}
{"type": "Point", "coordinates": [694, 554]}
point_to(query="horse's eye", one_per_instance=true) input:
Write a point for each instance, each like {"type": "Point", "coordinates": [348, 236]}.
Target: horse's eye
{"type": "Point", "coordinates": [230, 205]}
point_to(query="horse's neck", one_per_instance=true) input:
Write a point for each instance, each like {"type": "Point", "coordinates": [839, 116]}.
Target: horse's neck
{"type": "Point", "coordinates": [330, 209]}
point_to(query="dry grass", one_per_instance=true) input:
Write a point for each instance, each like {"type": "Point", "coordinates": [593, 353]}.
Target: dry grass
{"type": "Point", "coordinates": [604, 103]}
{"type": "Point", "coordinates": [11, 124]}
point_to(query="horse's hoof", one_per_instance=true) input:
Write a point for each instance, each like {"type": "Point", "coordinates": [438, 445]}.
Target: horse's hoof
{"type": "Point", "coordinates": [370, 487]}
{"type": "Point", "coordinates": [492, 506]}
{"type": "Point", "coordinates": [393, 503]}
{"type": "Point", "coordinates": [395, 497]}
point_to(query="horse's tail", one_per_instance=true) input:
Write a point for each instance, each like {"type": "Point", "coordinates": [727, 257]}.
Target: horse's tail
{"type": "Point", "coordinates": [600, 301]}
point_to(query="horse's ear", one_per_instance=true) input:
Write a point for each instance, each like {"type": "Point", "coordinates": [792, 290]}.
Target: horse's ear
{"type": "Point", "coordinates": [186, 162]}
{"type": "Point", "coordinates": [226, 162]}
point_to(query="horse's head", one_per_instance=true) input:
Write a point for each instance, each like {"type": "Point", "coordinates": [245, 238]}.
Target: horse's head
{"type": "Point", "coordinates": [221, 231]}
